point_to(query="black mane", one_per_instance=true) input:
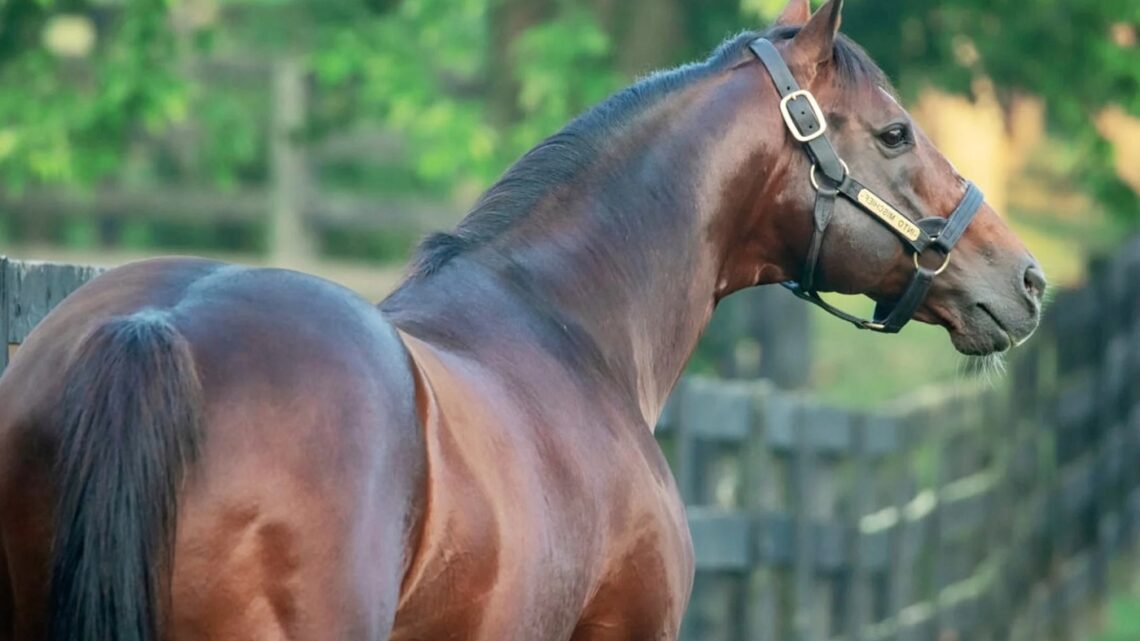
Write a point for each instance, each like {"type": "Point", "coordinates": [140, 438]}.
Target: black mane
{"type": "Point", "coordinates": [559, 159]}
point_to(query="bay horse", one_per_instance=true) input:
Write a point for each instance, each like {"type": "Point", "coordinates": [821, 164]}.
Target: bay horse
{"type": "Point", "coordinates": [191, 450]}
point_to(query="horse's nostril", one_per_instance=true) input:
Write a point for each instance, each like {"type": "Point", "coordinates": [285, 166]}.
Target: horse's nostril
{"type": "Point", "coordinates": [1034, 281]}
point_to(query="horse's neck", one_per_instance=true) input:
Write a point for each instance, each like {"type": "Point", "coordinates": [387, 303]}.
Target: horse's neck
{"type": "Point", "coordinates": [631, 260]}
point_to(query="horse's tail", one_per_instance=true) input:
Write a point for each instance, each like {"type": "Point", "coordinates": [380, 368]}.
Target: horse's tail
{"type": "Point", "coordinates": [130, 426]}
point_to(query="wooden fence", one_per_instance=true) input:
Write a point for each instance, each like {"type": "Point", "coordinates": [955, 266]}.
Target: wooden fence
{"type": "Point", "coordinates": [291, 200]}
{"type": "Point", "coordinates": [963, 514]}
{"type": "Point", "coordinates": [968, 513]}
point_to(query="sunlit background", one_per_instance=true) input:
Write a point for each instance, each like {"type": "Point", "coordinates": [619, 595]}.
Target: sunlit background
{"type": "Point", "coordinates": [330, 135]}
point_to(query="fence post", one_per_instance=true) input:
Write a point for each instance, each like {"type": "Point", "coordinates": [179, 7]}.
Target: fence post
{"type": "Point", "coordinates": [905, 537]}
{"type": "Point", "coordinates": [290, 242]}
{"type": "Point", "coordinates": [759, 482]}
{"type": "Point", "coordinates": [5, 333]}
{"type": "Point", "coordinates": [804, 623]}
{"type": "Point", "coordinates": [858, 607]}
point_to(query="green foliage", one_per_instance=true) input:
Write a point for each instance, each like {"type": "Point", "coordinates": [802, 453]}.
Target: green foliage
{"type": "Point", "coordinates": [67, 121]}
{"type": "Point", "coordinates": [399, 67]}
{"type": "Point", "coordinates": [467, 90]}
{"type": "Point", "coordinates": [562, 69]}
{"type": "Point", "coordinates": [423, 70]}
{"type": "Point", "coordinates": [236, 142]}
{"type": "Point", "coordinates": [1061, 50]}
{"type": "Point", "coordinates": [1123, 620]}
{"type": "Point", "coordinates": [391, 245]}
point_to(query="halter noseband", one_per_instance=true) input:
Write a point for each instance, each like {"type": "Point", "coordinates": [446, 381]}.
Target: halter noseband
{"type": "Point", "coordinates": [807, 125]}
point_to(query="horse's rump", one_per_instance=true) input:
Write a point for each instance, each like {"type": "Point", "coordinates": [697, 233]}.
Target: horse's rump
{"type": "Point", "coordinates": [295, 513]}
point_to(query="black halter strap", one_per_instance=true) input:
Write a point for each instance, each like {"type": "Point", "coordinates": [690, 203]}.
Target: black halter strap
{"type": "Point", "coordinates": [806, 123]}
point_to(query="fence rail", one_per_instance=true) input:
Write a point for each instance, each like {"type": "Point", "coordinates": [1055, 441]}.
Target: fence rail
{"type": "Point", "coordinates": [970, 512]}
{"type": "Point", "coordinates": [962, 513]}
{"type": "Point", "coordinates": [291, 200]}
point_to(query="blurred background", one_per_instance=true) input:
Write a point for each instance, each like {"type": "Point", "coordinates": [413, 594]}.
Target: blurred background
{"type": "Point", "coordinates": [330, 135]}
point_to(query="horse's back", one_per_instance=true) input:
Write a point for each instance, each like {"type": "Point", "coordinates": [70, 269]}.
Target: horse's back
{"type": "Point", "coordinates": [296, 514]}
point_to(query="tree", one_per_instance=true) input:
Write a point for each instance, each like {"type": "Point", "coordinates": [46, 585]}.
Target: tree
{"type": "Point", "coordinates": [78, 86]}
{"type": "Point", "coordinates": [471, 84]}
{"type": "Point", "coordinates": [1081, 56]}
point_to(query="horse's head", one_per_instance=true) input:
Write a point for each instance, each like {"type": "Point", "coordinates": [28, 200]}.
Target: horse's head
{"type": "Point", "coordinates": [881, 177]}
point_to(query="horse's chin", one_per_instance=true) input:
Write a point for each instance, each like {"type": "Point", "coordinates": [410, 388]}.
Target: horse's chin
{"type": "Point", "coordinates": [981, 341]}
{"type": "Point", "coordinates": [974, 329]}
{"type": "Point", "coordinates": [983, 333]}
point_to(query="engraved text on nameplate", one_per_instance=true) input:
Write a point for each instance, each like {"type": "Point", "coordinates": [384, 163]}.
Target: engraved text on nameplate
{"type": "Point", "coordinates": [889, 214]}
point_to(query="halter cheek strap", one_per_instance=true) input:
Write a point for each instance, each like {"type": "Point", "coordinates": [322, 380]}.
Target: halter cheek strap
{"type": "Point", "coordinates": [831, 180]}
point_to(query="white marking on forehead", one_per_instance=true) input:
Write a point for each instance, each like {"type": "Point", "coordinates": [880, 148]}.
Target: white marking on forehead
{"type": "Point", "coordinates": [888, 95]}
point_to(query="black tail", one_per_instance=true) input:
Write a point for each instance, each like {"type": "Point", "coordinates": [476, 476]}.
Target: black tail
{"type": "Point", "coordinates": [130, 427]}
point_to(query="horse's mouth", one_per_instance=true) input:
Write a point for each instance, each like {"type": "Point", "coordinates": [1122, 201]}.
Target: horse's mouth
{"type": "Point", "coordinates": [1008, 339]}
{"type": "Point", "coordinates": [979, 333]}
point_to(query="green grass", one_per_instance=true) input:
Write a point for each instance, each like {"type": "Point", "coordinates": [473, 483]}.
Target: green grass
{"type": "Point", "coordinates": [862, 369]}
{"type": "Point", "coordinates": [1123, 617]}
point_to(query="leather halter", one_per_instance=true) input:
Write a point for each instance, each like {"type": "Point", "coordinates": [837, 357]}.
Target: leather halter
{"type": "Point", "coordinates": [807, 125]}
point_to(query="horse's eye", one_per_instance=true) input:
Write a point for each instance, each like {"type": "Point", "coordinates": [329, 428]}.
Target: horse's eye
{"type": "Point", "coordinates": [895, 136]}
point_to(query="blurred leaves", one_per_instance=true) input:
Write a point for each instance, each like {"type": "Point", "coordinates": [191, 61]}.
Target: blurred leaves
{"type": "Point", "coordinates": [68, 121]}
{"type": "Point", "coordinates": [1062, 50]}
{"type": "Point", "coordinates": [468, 85]}
{"type": "Point", "coordinates": [405, 68]}
{"type": "Point", "coordinates": [562, 68]}
{"type": "Point", "coordinates": [424, 69]}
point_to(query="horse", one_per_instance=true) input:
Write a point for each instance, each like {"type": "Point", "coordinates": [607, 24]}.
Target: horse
{"type": "Point", "coordinates": [194, 450]}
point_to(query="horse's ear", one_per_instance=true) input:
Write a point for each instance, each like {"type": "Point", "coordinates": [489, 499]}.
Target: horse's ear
{"type": "Point", "coordinates": [816, 41]}
{"type": "Point", "coordinates": [796, 14]}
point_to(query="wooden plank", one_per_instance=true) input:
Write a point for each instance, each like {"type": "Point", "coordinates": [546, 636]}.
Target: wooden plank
{"type": "Point", "coordinates": [894, 524]}
{"type": "Point", "coordinates": [1114, 384]}
{"type": "Point", "coordinates": [823, 496]}
{"type": "Point", "coordinates": [685, 463]}
{"type": "Point", "coordinates": [776, 543]}
{"type": "Point", "coordinates": [834, 546]}
{"type": "Point", "coordinates": [1076, 315]}
{"type": "Point", "coordinates": [172, 202]}
{"type": "Point", "coordinates": [966, 506]}
{"type": "Point", "coordinates": [670, 414]}
{"type": "Point", "coordinates": [995, 610]}
{"type": "Point", "coordinates": [4, 331]}
{"type": "Point", "coordinates": [917, 623]}
{"type": "Point", "coordinates": [722, 540]}
{"type": "Point", "coordinates": [718, 410]}
{"type": "Point", "coordinates": [33, 289]}
{"type": "Point", "coordinates": [805, 625]}
{"type": "Point", "coordinates": [289, 237]}
{"type": "Point", "coordinates": [827, 434]}
{"type": "Point", "coordinates": [325, 210]}
{"type": "Point", "coordinates": [760, 619]}
{"type": "Point", "coordinates": [1022, 468]}
{"type": "Point", "coordinates": [759, 615]}
{"type": "Point", "coordinates": [915, 530]}
{"type": "Point", "coordinates": [1075, 413]}
{"type": "Point", "coordinates": [1078, 487]}
{"type": "Point", "coordinates": [881, 436]}
{"type": "Point", "coordinates": [859, 594]}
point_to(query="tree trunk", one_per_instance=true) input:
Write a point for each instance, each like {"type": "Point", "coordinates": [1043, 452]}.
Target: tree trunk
{"type": "Point", "coordinates": [648, 34]}
{"type": "Point", "coordinates": [508, 20]}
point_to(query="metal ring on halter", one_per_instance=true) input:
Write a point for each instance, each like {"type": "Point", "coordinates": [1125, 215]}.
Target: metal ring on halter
{"type": "Point", "coordinates": [942, 268]}
{"type": "Point", "coordinates": [815, 184]}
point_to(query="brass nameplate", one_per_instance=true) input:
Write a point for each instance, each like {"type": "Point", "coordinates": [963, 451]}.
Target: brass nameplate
{"type": "Point", "coordinates": [889, 214]}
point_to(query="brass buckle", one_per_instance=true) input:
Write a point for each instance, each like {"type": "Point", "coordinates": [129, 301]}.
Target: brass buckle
{"type": "Point", "coordinates": [942, 268]}
{"type": "Point", "coordinates": [791, 122]}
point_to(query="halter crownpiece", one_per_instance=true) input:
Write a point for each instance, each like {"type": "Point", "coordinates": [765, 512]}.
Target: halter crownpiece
{"type": "Point", "coordinates": [806, 122]}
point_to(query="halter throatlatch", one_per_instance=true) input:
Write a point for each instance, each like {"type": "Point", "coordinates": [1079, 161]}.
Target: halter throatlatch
{"type": "Point", "coordinates": [830, 178]}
